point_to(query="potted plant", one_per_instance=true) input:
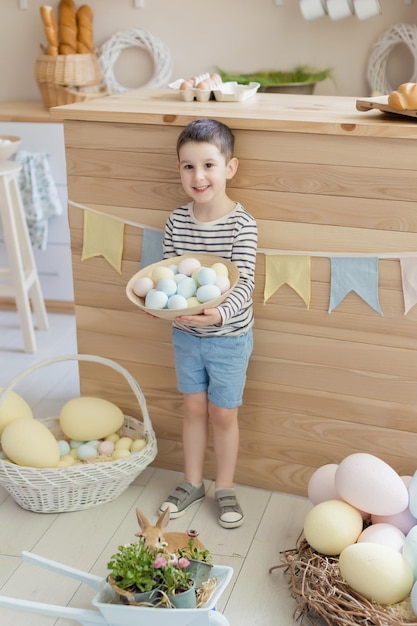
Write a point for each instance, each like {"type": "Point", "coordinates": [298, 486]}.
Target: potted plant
{"type": "Point", "coordinates": [199, 558]}
{"type": "Point", "coordinates": [302, 79]}
{"type": "Point", "coordinates": [175, 579]}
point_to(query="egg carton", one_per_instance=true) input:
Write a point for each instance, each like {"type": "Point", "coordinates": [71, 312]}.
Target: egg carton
{"type": "Point", "coordinates": [222, 92]}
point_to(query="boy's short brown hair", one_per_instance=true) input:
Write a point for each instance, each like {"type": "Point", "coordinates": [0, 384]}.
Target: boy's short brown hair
{"type": "Point", "coordinates": [208, 131]}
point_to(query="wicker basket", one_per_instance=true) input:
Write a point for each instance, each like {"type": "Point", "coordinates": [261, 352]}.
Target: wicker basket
{"type": "Point", "coordinates": [84, 485]}
{"type": "Point", "coordinates": [68, 78]}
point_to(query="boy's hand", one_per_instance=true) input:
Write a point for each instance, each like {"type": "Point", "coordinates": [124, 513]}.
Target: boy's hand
{"type": "Point", "coordinates": [209, 317]}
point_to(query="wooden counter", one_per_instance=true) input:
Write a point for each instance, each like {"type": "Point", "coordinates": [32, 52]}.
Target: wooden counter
{"type": "Point", "coordinates": [320, 178]}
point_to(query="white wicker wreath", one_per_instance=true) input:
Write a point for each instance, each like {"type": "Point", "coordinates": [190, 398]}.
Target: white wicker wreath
{"type": "Point", "coordinates": [382, 48]}
{"type": "Point", "coordinates": [111, 49]}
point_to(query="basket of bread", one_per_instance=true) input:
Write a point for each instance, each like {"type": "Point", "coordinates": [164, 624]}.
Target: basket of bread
{"type": "Point", "coordinates": [68, 70]}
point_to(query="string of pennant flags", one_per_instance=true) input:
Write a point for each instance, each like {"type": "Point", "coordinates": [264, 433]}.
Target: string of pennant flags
{"type": "Point", "coordinates": [103, 236]}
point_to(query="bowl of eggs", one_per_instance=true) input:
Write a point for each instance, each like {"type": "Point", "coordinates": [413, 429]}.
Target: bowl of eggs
{"type": "Point", "coordinates": [182, 285]}
{"type": "Point", "coordinates": [9, 144]}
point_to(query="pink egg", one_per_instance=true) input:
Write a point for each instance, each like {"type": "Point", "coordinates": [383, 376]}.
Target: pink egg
{"type": "Point", "coordinates": [106, 447]}
{"type": "Point", "coordinates": [369, 484]}
{"type": "Point", "coordinates": [384, 534]}
{"type": "Point", "coordinates": [187, 266]}
{"type": "Point", "coordinates": [142, 285]}
{"type": "Point", "coordinates": [321, 485]}
{"type": "Point", "coordinates": [222, 282]}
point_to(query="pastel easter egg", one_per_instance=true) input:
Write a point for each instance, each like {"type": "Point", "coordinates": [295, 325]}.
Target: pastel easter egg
{"type": "Point", "coordinates": [138, 445]}
{"type": "Point", "coordinates": [369, 484]}
{"type": "Point", "coordinates": [332, 525]}
{"type": "Point", "coordinates": [187, 266]}
{"type": "Point", "coordinates": [87, 452]}
{"type": "Point", "coordinates": [142, 286]}
{"type": "Point", "coordinates": [156, 299]}
{"type": "Point", "coordinates": [220, 269]}
{"type": "Point", "coordinates": [410, 549]}
{"type": "Point", "coordinates": [66, 461]}
{"type": "Point", "coordinates": [177, 302]}
{"type": "Point", "coordinates": [64, 447]}
{"type": "Point", "coordinates": [412, 489]}
{"type": "Point", "coordinates": [205, 293]}
{"type": "Point", "coordinates": [106, 447]}
{"type": "Point", "coordinates": [404, 521]}
{"type": "Point", "coordinates": [222, 282]}
{"type": "Point", "coordinates": [13, 406]}
{"type": "Point", "coordinates": [413, 598]}
{"type": "Point", "coordinates": [30, 443]}
{"type": "Point", "coordinates": [120, 454]}
{"type": "Point", "coordinates": [167, 285]}
{"type": "Point", "coordinates": [124, 443]}
{"type": "Point", "coordinates": [206, 276]}
{"type": "Point", "coordinates": [193, 301]}
{"type": "Point", "coordinates": [179, 277]}
{"type": "Point", "coordinates": [321, 485]}
{"type": "Point", "coordinates": [87, 417]}
{"type": "Point", "coordinates": [378, 572]}
{"type": "Point", "coordinates": [161, 271]}
{"type": "Point", "coordinates": [173, 268]}
{"type": "Point", "coordinates": [385, 534]}
{"type": "Point", "coordinates": [187, 287]}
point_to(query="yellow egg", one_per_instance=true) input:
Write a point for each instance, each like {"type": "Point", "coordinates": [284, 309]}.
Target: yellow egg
{"type": "Point", "coordinates": [138, 445]}
{"type": "Point", "coordinates": [193, 301]}
{"type": "Point", "coordinates": [30, 443]}
{"type": "Point", "coordinates": [331, 526]}
{"type": "Point", "coordinates": [124, 443]}
{"type": "Point", "coordinates": [120, 454]}
{"type": "Point", "coordinates": [13, 406]}
{"type": "Point", "coordinates": [161, 272]}
{"type": "Point", "coordinates": [113, 437]}
{"type": "Point", "coordinates": [220, 269]}
{"type": "Point", "coordinates": [74, 453]}
{"type": "Point", "coordinates": [66, 461]}
{"type": "Point", "coordinates": [87, 418]}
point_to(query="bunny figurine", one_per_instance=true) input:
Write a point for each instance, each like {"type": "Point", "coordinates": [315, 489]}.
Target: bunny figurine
{"type": "Point", "coordinates": [155, 537]}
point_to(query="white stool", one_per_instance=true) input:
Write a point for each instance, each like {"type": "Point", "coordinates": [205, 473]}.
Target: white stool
{"type": "Point", "coordinates": [20, 280]}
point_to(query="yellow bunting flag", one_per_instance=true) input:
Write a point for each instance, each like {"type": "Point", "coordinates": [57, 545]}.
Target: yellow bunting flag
{"type": "Point", "coordinates": [293, 270]}
{"type": "Point", "coordinates": [103, 236]}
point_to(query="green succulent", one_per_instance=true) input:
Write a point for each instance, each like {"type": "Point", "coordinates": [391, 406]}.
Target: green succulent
{"type": "Point", "coordinates": [269, 78]}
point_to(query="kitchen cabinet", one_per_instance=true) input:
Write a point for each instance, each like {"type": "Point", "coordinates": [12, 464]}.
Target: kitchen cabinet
{"type": "Point", "coordinates": [321, 179]}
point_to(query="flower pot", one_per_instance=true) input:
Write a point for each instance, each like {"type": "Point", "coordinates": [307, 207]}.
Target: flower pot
{"type": "Point", "coordinates": [200, 571]}
{"type": "Point", "coordinates": [184, 599]}
{"type": "Point", "coordinates": [299, 88]}
{"type": "Point", "coordinates": [153, 596]}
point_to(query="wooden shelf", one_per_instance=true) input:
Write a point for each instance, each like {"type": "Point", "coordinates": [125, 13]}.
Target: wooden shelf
{"type": "Point", "coordinates": [24, 111]}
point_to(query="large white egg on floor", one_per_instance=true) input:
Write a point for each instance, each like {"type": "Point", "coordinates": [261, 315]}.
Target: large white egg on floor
{"type": "Point", "coordinates": [412, 490]}
{"type": "Point", "coordinates": [30, 443]}
{"type": "Point", "coordinates": [371, 485]}
{"type": "Point", "coordinates": [410, 549]}
{"type": "Point", "coordinates": [385, 534]}
{"type": "Point", "coordinates": [321, 485]}
{"type": "Point", "coordinates": [378, 572]}
{"type": "Point", "coordinates": [331, 526]}
{"type": "Point", "coordinates": [13, 406]}
{"type": "Point", "coordinates": [86, 418]}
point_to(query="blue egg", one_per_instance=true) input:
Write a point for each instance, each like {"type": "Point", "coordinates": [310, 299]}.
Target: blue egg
{"type": "Point", "coordinates": [167, 285]}
{"type": "Point", "coordinates": [174, 268]}
{"type": "Point", "coordinates": [64, 447]}
{"type": "Point", "coordinates": [179, 277]}
{"type": "Point", "coordinates": [75, 444]}
{"type": "Point", "coordinates": [187, 287]}
{"type": "Point", "coordinates": [177, 302]}
{"type": "Point", "coordinates": [206, 276]}
{"type": "Point", "coordinates": [156, 299]}
{"type": "Point", "coordinates": [86, 452]}
{"type": "Point", "coordinates": [205, 293]}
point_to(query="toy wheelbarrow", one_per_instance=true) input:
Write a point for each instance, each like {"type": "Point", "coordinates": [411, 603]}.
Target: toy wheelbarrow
{"type": "Point", "coordinates": [112, 613]}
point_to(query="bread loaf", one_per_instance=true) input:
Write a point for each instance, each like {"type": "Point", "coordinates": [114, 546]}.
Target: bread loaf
{"type": "Point", "coordinates": [67, 27]}
{"type": "Point", "coordinates": [404, 98]}
{"type": "Point", "coordinates": [50, 28]}
{"type": "Point", "coordinates": [85, 37]}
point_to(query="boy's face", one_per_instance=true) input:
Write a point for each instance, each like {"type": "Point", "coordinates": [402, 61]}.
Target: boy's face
{"type": "Point", "coordinates": [204, 171]}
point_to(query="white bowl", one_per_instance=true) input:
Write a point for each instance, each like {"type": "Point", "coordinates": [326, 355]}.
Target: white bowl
{"type": "Point", "coordinates": [9, 144]}
{"type": "Point", "coordinates": [170, 314]}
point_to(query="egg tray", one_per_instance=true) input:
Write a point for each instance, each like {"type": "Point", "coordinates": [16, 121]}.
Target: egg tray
{"type": "Point", "coordinates": [171, 314]}
{"type": "Point", "coordinates": [83, 485]}
{"type": "Point", "coordinates": [321, 593]}
{"type": "Point", "coordinates": [223, 92]}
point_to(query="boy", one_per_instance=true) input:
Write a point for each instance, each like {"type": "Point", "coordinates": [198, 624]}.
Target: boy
{"type": "Point", "coordinates": [212, 349]}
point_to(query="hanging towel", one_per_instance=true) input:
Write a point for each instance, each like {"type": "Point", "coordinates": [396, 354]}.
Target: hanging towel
{"type": "Point", "coordinates": [39, 195]}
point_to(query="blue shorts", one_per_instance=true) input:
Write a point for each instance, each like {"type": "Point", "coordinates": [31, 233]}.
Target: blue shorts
{"type": "Point", "coordinates": [214, 364]}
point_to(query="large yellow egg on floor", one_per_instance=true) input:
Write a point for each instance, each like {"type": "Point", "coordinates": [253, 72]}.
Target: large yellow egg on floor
{"type": "Point", "coordinates": [87, 418]}
{"type": "Point", "coordinates": [13, 406]}
{"type": "Point", "coordinates": [331, 526]}
{"type": "Point", "coordinates": [30, 443]}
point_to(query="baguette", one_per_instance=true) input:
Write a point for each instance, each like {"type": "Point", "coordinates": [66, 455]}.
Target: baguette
{"type": "Point", "coordinates": [67, 27]}
{"type": "Point", "coordinates": [50, 28]}
{"type": "Point", "coordinates": [85, 37]}
{"type": "Point", "coordinates": [404, 98]}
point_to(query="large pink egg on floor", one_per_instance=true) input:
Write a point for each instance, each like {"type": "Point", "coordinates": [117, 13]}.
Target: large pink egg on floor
{"type": "Point", "coordinates": [321, 485]}
{"type": "Point", "coordinates": [384, 534]}
{"type": "Point", "coordinates": [369, 484]}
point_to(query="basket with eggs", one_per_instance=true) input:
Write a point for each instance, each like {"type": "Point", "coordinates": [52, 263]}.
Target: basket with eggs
{"type": "Point", "coordinates": [182, 285]}
{"type": "Point", "coordinates": [86, 456]}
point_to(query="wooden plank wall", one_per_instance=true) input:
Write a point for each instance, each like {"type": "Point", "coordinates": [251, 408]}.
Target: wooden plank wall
{"type": "Point", "coordinates": [320, 386]}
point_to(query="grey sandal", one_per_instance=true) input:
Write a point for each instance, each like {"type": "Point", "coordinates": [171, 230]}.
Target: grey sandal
{"type": "Point", "coordinates": [230, 513]}
{"type": "Point", "coordinates": [180, 500]}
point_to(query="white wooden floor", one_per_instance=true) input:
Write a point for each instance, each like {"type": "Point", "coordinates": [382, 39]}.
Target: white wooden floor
{"type": "Point", "coordinates": [86, 539]}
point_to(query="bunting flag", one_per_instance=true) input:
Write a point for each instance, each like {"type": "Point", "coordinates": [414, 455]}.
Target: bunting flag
{"type": "Point", "coordinates": [152, 247]}
{"type": "Point", "coordinates": [358, 274]}
{"type": "Point", "coordinates": [103, 236]}
{"type": "Point", "coordinates": [409, 282]}
{"type": "Point", "coordinates": [293, 270]}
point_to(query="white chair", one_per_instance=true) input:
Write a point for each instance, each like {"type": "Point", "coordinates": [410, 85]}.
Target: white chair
{"type": "Point", "coordinates": [20, 280]}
